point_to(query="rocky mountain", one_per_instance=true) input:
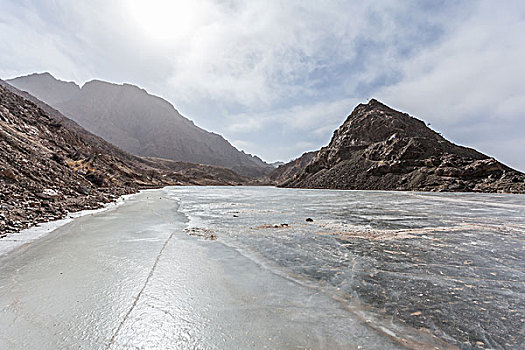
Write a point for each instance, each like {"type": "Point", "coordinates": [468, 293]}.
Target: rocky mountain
{"type": "Point", "coordinates": [46, 88]}
{"type": "Point", "coordinates": [277, 164]}
{"type": "Point", "coordinates": [291, 170]}
{"type": "Point", "coordinates": [139, 123]}
{"type": "Point", "coordinates": [379, 148]}
{"type": "Point", "coordinates": [49, 165]}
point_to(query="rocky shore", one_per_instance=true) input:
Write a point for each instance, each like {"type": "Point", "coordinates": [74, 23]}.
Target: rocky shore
{"type": "Point", "coordinates": [50, 166]}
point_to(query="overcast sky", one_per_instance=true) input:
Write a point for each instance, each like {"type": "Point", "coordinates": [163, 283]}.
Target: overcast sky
{"type": "Point", "coordinates": [277, 77]}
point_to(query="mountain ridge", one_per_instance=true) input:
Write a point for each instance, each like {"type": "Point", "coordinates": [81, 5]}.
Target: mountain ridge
{"type": "Point", "coordinates": [140, 123]}
{"type": "Point", "coordinates": [50, 165]}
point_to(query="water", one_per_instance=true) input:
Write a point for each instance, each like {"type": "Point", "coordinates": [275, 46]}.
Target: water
{"type": "Point", "coordinates": [223, 267]}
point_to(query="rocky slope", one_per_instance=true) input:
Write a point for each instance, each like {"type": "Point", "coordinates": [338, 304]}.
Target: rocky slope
{"type": "Point", "coordinates": [290, 170]}
{"type": "Point", "coordinates": [197, 174]}
{"type": "Point", "coordinates": [49, 165]}
{"type": "Point", "coordinates": [139, 123]}
{"type": "Point", "coordinates": [378, 148]}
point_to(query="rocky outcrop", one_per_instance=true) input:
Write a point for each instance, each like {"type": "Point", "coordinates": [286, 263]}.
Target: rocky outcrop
{"type": "Point", "coordinates": [139, 123]}
{"type": "Point", "coordinates": [379, 148]}
{"type": "Point", "coordinates": [50, 166]}
{"type": "Point", "coordinates": [290, 170]}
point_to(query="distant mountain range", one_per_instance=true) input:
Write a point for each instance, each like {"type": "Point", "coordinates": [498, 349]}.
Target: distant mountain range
{"type": "Point", "coordinates": [139, 123]}
{"type": "Point", "coordinates": [376, 148]}
{"type": "Point", "coordinates": [379, 148]}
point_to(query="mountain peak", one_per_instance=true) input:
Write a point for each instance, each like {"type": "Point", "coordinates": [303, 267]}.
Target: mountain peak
{"type": "Point", "coordinates": [379, 148]}
{"type": "Point", "coordinates": [374, 102]}
{"type": "Point", "coordinates": [43, 74]}
{"type": "Point", "coordinates": [376, 122]}
{"type": "Point", "coordinates": [46, 87]}
{"type": "Point", "coordinates": [98, 82]}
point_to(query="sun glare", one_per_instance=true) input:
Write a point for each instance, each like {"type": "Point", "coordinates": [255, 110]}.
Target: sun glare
{"type": "Point", "coordinates": [164, 20]}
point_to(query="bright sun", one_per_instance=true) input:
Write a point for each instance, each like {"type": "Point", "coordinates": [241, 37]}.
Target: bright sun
{"type": "Point", "coordinates": [165, 20]}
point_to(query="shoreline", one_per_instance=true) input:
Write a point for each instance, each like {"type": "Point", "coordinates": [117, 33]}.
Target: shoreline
{"type": "Point", "coordinates": [31, 234]}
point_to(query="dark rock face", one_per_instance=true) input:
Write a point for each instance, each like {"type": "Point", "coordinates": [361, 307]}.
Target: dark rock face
{"type": "Point", "coordinates": [291, 170]}
{"type": "Point", "coordinates": [50, 166]}
{"type": "Point", "coordinates": [139, 123]}
{"type": "Point", "coordinates": [378, 148]}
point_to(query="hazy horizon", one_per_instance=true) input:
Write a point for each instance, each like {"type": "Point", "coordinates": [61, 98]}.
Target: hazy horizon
{"type": "Point", "coordinates": [276, 79]}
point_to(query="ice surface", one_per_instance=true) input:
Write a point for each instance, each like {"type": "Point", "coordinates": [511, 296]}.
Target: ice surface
{"type": "Point", "coordinates": [373, 270]}
{"type": "Point", "coordinates": [27, 236]}
{"type": "Point", "coordinates": [131, 278]}
{"type": "Point", "coordinates": [452, 263]}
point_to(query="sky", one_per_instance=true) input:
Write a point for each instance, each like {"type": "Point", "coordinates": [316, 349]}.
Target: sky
{"type": "Point", "coordinates": [276, 78]}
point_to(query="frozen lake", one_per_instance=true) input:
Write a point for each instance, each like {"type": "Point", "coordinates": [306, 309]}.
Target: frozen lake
{"type": "Point", "coordinates": [240, 267]}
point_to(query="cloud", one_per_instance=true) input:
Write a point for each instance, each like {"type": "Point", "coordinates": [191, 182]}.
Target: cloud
{"type": "Point", "coordinates": [277, 75]}
{"type": "Point", "coordinates": [34, 47]}
{"type": "Point", "coordinates": [470, 84]}
{"type": "Point", "coordinates": [295, 130]}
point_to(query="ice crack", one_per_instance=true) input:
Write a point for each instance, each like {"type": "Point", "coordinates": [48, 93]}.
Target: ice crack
{"type": "Point", "coordinates": [140, 293]}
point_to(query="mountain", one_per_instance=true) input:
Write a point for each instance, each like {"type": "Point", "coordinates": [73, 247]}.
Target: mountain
{"type": "Point", "coordinates": [46, 88]}
{"type": "Point", "coordinates": [139, 123]}
{"type": "Point", "coordinates": [49, 165]}
{"type": "Point", "coordinates": [379, 148]}
{"type": "Point", "coordinates": [277, 164]}
{"type": "Point", "coordinates": [290, 170]}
